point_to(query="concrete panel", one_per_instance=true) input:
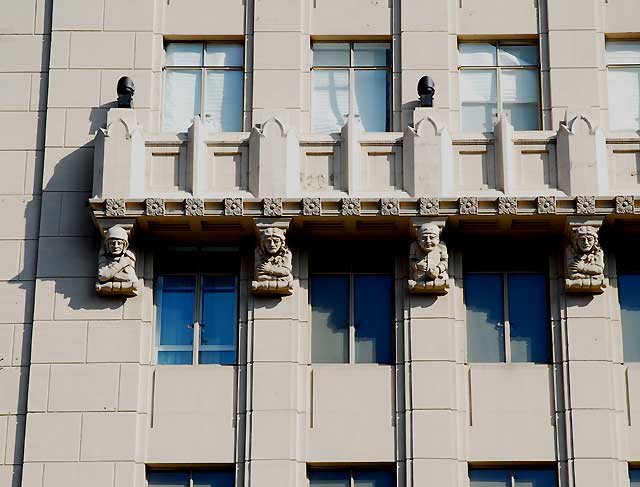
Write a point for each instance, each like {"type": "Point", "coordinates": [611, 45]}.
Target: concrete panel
{"type": "Point", "coordinates": [191, 406]}
{"type": "Point", "coordinates": [106, 50]}
{"type": "Point", "coordinates": [39, 86]}
{"type": "Point", "coordinates": [53, 437]}
{"type": "Point", "coordinates": [20, 53]}
{"type": "Point", "coordinates": [16, 301]}
{"type": "Point", "coordinates": [417, 15]}
{"type": "Point", "coordinates": [572, 14]}
{"type": "Point", "coordinates": [478, 17]}
{"type": "Point", "coordinates": [223, 18]}
{"type": "Point", "coordinates": [594, 472]}
{"type": "Point", "coordinates": [435, 434]}
{"type": "Point", "coordinates": [15, 439]}
{"type": "Point", "coordinates": [59, 342]}
{"type": "Point", "coordinates": [573, 49]}
{"type": "Point", "coordinates": [6, 342]}
{"type": "Point", "coordinates": [68, 169]}
{"type": "Point", "coordinates": [59, 57]}
{"type": "Point", "coordinates": [352, 414]}
{"type": "Point", "coordinates": [32, 474]}
{"type": "Point", "coordinates": [589, 339]}
{"type": "Point", "coordinates": [78, 15]}
{"type": "Point", "coordinates": [133, 379]}
{"type": "Point", "coordinates": [129, 16]}
{"type": "Point", "coordinates": [21, 345]}
{"type": "Point", "coordinates": [10, 264]}
{"type": "Point", "coordinates": [108, 437]}
{"type": "Point", "coordinates": [267, 473]}
{"type": "Point", "coordinates": [278, 15]}
{"type": "Point", "coordinates": [274, 341]}
{"type": "Point", "coordinates": [3, 436]}
{"type": "Point", "coordinates": [21, 130]}
{"type": "Point", "coordinates": [74, 88]}
{"type": "Point", "coordinates": [83, 123]}
{"type": "Point", "coordinates": [273, 434]}
{"type": "Point", "coordinates": [76, 299]}
{"type": "Point", "coordinates": [274, 386]}
{"type": "Point", "coordinates": [21, 19]}
{"type": "Point", "coordinates": [11, 476]}
{"type": "Point", "coordinates": [66, 214]}
{"type": "Point", "coordinates": [275, 89]}
{"type": "Point", "coordinates": [67, 257]}
{"type": "Point", "coordinates": [15, 91]}
{"type": "Point", "coordinates": [13, 384]}
{"type": "Point", "coordinates": [593, 433]}
{"type": "Point", "coordinates": [621, 15]}
{"type": "Point", "coordinates": [13, 164]}
{"type": "Point", "coordinates": [356, 17]}
{"type": "Point", "coordinates": [511, 413]}
{"type": "Point", "coordinates": [38, 387]}
{"type": "Point", "coordinates": [114, 341]}
{"type": "Point", "coordinates": [433, 385]}
{"type": "Point", "coordinates": [278, 50]}
{"type": "Point", "coordinates": [96, 474]}
{"type": "Point", "coordinates": [413, 51]}
{"type": "Point", "coordinates": [592, 385]}
{"type": "Point", "coordinates": [91, 387]}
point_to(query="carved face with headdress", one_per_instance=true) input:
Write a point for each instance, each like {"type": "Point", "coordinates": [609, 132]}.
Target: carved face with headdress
{"type": "Point", "coordinates": [272, 240]}
{"type": "Point", "coordinates": [428, 236]}
{"type": "Point", "coordinates": [585, 239]}
{"type": "Point", "coordinates": [116, 241]}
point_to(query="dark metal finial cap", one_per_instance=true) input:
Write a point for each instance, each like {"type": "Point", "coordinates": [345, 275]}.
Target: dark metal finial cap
{"type": "Point", "coordinates": [426, 90]}
{"type": "Point", "coordinates": [125, 89]}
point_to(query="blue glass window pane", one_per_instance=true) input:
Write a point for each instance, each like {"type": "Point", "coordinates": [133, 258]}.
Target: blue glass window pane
{"type": "Point", "coordinates": [634, 477]}
{"type": "Point", "coordinates": [168, 479]}
{"type": "Point", "coordinates": [331, 54]}
{"type": "Point", "coordinates": [329, 99]}
{"type": "Point", "coordinates": [373, 301]}
{"type": "Point", "coordinates": [175, 358]}
{"type": "Point", "coordinates": [329, 478]}
{"type": "Point", "coordinates": [218, 321]}
{"type": "Point", "coordinates": [535, 478]}
{"type": "Point", "coordinates": [528, 318]}
{"type": "Point", "coordinates": [483, 295]}
{"type": "Point", "coordinates": [371, 89]}
{"type": "Point", "coordinates": [629, 295]}
{"type": "Point", "coordinates": [176, 303]}
{"type": "Point", "coordinates": [489, 478]}
{"type": "Point", "coordinates": [330, 319]}
{"type": "Point", "coordinates": [374, 478]}
{"type": "Point", "coordinates": [215, 478]}
{"type": "Point", "coordinates": [371, 54]}
{"type": "Point", "coordinates": [223, 100]}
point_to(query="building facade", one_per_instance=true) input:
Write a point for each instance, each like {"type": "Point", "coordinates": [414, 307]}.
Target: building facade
{"type": "Point", "coordinates": [331, 280]}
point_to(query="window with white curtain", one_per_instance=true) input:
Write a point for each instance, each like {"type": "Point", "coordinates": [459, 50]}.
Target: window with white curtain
{"type": "Point", "coordinates": [350, 77]}
{"type": "Point", "coordinates": [513, 477]}
{"type": "Point", "coordinates": [207, 79]}
{"type": "Point", "coordinates": [495, 79]}
{"type": "Point", "coordinates": [623, 78]}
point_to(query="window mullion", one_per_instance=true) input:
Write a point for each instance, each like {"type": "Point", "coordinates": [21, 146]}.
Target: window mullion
{"type": "Point", "coordinates": [196, 323]}
{"type": "Point", "coordinates": [352, 319]}
{"type": "Point", "coordinates": [512, 477]}
{"type": "Point", "coordinates": [507, 324]}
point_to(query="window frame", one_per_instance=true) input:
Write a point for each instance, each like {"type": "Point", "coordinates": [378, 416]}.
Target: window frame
{"type": "Point", "coordinates": [619, 66]}
{"type": "Point", "coordinates": [351, 69]}
{"type": "Point", "coordinates": [190, 472]}
{"type": "Point", "coordinates": [506, 321]}
{"type": "Point", "coordinates": [197, 326]}
{"type": "Point", "coordinates": [513, 470]}
{"type": "Point", "coordinates": [352, 313]}
{"type": "Point", "coordinates": [203, 74]}
{"type": "Point", "coordinates": [498, 69]}
{"type": "Point", "coordinates": [351, 470]}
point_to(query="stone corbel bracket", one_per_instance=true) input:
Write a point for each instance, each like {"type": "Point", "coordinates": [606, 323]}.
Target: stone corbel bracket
{"type": "Point", "coordinates": [116, 262]}
{"type": "Point", "coordinates": [273, 267]}
{"type": "Point", "coordinates": [428, 258]}
{"type": "Point", "coordinates": [584, 257]}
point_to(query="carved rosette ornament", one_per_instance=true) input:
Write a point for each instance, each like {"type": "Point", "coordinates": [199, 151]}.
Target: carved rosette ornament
{"type": "Point", "coordinates": [428, 262]}
{"type": "Point", "coordinates": [116, 265]}
{"type": "Point", "coordinates": [585, 261]}
{"type": "Point", "coordinates": [389, 206]}
{"type": "Point", "coordinates": [507, 205]}
{"type": "Point", "coordinates": [546, 205]}
{"type": "Point", "coordinates": [311, 206]}
{"type": "Point", "coordinates": [468, 205]}
{"type": "Point", "coordinates": [114, 207]}
{"type": "Point", "coordinates": [350, 206]}
{"type": "Point", "coordinates": [624, 204]}
{"type": "Point", "coordinates": [429, 206]}
{"type": "Point", "coordinates": [272, 207]}
{"type": "Point", "coordinates": [154, 207]}
{"type": "Point", "coordinates": [273, 269]}
{"type": "Point", "coordinates": [194, 207]}
{"type": "Point", "coordinates": [586, 205]}
{"type": "Point", "coordinates": [233, 207]}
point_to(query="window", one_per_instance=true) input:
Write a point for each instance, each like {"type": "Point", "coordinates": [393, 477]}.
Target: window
{"type": "Point", "coordinates": [629, 296]}
{"type": "Point", "coordinates": [634, 477]}
{"type": "Point", "coordinates": [623, 79]}
{"type": "Point", "coordinates": [196, 312]}
{"type": "Point", "coordinates": [354, 477]}
{"type": "Point", "coordinates": [351, 313]}
{"type": "Point", "coordinates": [203, 79]}
{"type": "Point", "coordinates": [507, 317]}
{"type": "Point", "coordinates": [495, 79]}
{"type": "Point", "coordinates": [520, 477]}
{"type": "Point", "coordinates": [351, 78]}
{"type": "Point", "coordinates": [191, 478]}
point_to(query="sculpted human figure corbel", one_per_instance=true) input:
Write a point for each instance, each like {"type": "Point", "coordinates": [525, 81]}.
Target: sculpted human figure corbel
{"type": "Point", "coordinates": [585, 261]}
{"type": "Point", "coordinates": [116, 265]}
{"type": "Point", "coordinates": [429, 262]}
{"type": "Point", "coordinates": [273, 269]}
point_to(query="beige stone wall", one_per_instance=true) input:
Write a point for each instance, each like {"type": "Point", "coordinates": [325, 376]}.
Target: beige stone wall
{"type": "Point", "coordinates": [81, 401]}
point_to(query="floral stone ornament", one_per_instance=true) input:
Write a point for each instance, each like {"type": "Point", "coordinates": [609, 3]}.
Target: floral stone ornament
{"type": "Point", "coordinates": [272, 207]}
{"type": "Point", "coordinates": [233, 206]}
{"type": "Point", "coordinates": [115, 207]}
{"type": "Point", "coordinates": [585, 262]}
{"type": "Point", "coordinates": [428, 262]}
{"type": "Point", "coordinates": [468, 205]}
{"type": "Point", "coordinates": [586, 205]}
{"type": "Point", "coordinates": [311, 206]}
{"type": "Point", "coordinates": [194, 207]}
{"type": "Point", "coordinates": [154, 207]}
{"type": "Point", "coordinates": [507, 205]}
{"type": "Point", "coordinates": [351, 206]}
{"type": "Point", "coordinates": [429, 206]}
{"type": "Point", "coordinates": [389, 206]}
{"type": "Point", "coordinates": [116, 265]}
{"type": "Point", "coordinates": [624, 204]}
{"type": "Point", "coordinates": [273, 269]}
{"type": "Point", "coordinates": [546, 205]}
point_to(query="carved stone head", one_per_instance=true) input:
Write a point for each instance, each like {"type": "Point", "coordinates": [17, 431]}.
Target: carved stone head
{"type": "Point", "coordinates": [428, 236]}
{"type": "Point", "coordinates": [585, 239]}
{"type": "Point", "coordinates": [116, 241]}
{"type": "Point", "coordinates": [272, 240]}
